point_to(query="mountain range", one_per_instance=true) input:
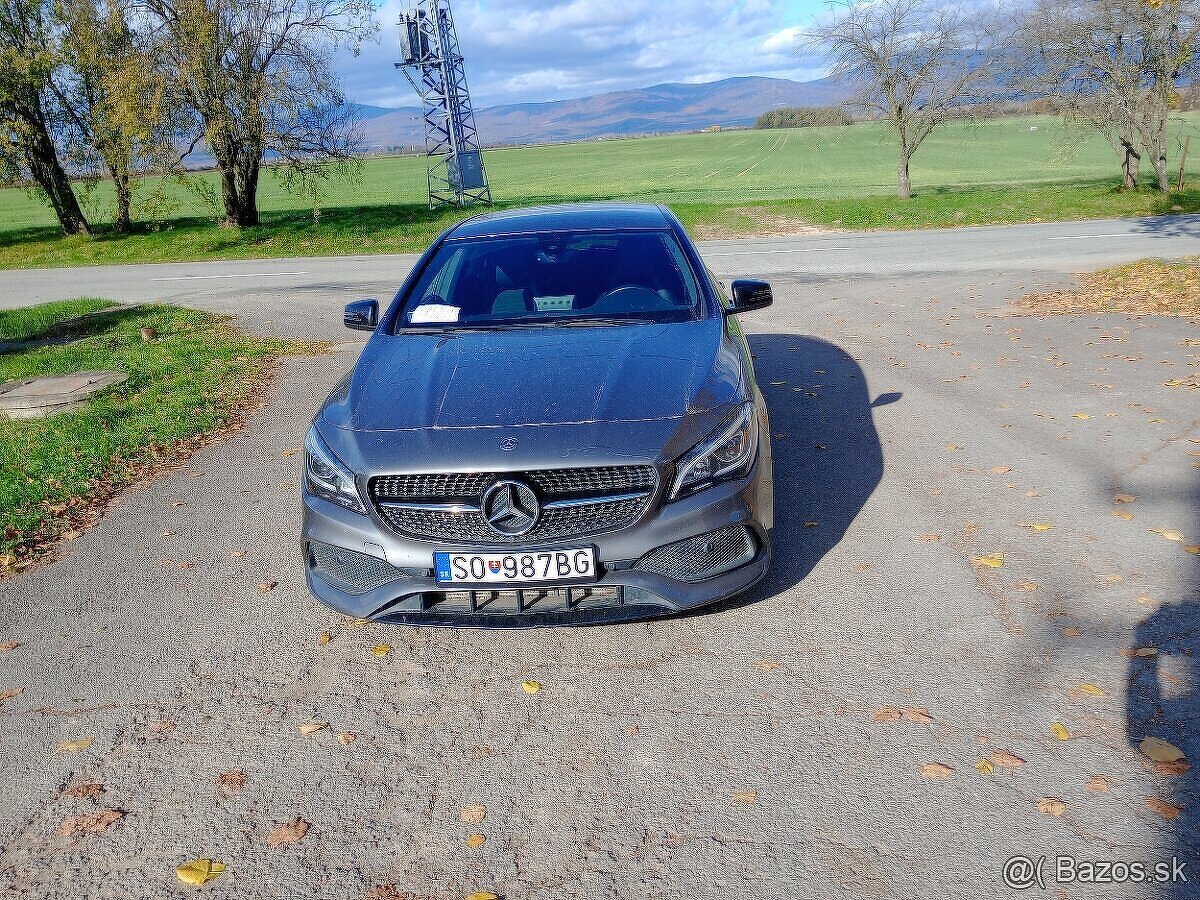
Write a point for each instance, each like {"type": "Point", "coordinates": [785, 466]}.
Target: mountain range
{"type": "Point", "coordinates": [659, 109]}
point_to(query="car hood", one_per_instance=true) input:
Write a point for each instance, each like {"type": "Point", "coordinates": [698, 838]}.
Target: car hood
{"type": "Point", "coordinates": [537, 376]}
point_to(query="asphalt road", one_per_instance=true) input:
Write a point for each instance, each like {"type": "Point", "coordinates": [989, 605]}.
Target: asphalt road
{"type": "Point", "coordinates": [921, 427]}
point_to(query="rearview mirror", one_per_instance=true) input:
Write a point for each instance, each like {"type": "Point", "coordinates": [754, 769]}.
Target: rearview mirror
{"type": "Point", "coordinates": [362, 315]}
{"type": "Point", "coordinates": [749, 295]}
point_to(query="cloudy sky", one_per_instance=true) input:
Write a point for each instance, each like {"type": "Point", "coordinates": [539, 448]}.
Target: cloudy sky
{"type": "Point", "coordinates": [531, 50]}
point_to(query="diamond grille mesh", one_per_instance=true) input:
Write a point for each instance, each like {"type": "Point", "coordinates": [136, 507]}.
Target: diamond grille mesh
{"type": "Point", "coordinates": [352, 572]}
{"type": "Point", "coordinates": [701, 557]}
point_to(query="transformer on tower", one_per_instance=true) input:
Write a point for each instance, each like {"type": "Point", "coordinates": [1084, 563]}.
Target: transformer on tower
{"type": "Point", "coordinates": [433, 64]}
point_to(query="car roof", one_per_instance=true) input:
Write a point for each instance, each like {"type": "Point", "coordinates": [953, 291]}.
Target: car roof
{"type": "Point", "coordinates": [564, 217]}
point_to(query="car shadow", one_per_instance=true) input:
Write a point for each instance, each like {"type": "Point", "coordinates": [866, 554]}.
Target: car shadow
{"type": "Point", "coordinates": [827, 456]}
{"type": "Point", "coordinates": [1162, 700]}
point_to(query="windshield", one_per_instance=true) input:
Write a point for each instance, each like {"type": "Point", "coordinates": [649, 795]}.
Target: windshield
{"type": "Point", "coordinates": [617, 277]}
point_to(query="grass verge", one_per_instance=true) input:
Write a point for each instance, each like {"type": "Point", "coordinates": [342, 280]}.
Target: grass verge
{"type": "Point", "coordinates": [409, 228]}
{"type": "Point", "coordinates": [187, 386]}
{"type": "Point", "coordinates": [1149, 287]}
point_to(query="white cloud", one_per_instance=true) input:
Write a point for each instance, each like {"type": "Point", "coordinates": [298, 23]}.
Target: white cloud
{"type": "Point", "coordinates": [534, 50]}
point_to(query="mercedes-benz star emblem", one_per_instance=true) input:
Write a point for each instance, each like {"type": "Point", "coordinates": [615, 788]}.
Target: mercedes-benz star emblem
{"type": "Point", "coordinates": [511, 508]}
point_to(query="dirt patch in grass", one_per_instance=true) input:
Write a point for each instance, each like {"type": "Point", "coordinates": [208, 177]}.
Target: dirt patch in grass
{"type": "Point", "coordinates": [757, 221]}
{"type": "Point", "coordinates": [192, 380]}
{"type": "Point", "coordinates": [1149, 287]}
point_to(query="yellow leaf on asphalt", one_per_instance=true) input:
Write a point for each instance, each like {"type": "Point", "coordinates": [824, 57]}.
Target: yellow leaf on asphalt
{"type": "Point", "coordinates": [985, 767]}
{"type": "Point", "coordinates": [1169, 533]}
{"type": "Point", "coordinates": [325, 637]}
{"type": "Point", "coordinates": [1051, 806]}
{"type": "Point", "coordinates": [381, 649]}
{"type": "Point", "coordinates": [531, 687]}
{"type": "Point", "coordinates": [290, 452]}
{"type": "Point", "coordinates": [473, 815]}
{"type": "Point", "coordinates": [936, 771]}
{"type": "Point", "coordinates": [1124, 498]}
{"type": "Point", "coordinates": [1081, 416]}
{"type": "Point", "coordinates": [358, 623]}
{"type": "Point", "coordinates": [313, 726]}
{"type": "Point", "coordinates": [1036, 526]}
{"type": "Point", "coordinates": [767, 665]}
{"type": "Point", "coordinates": [745, 796]}
{"type": "Point", "coordinates": [483, 895]}
{"type": "Point", "coordinates": [75, 746]}
{"type": "Point", "coordinates": [1059, 730]}
{"type": "Point", "coordinates": [1027, 586]}
{"type": "Point", "coordinates": [953, 447]}
{"type": "Point", "coordinates": [1160, 751]}
{"type": "Point", "coordinates": [992, 560]}
{"type": "Point", "coordinates": [1121, 514]}
{"type": "Point", "coordinates": [476, 840]}
{"type": "Point", "coordinates": [199, 871]}
{"type": "Point", "coordinates": [1092, 690]}
{"type": "Point", "coordinates": [1194, 549]}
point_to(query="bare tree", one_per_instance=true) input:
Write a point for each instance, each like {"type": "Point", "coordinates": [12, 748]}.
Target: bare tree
{"type": "Point", "coordinates": [29, 56]}
{"type": "Point", "coordinates": [916, 64]}
{"type": "Point", "coordinates": [259, 76]}
{"type": "Point", "coordinates": [1114, 66]}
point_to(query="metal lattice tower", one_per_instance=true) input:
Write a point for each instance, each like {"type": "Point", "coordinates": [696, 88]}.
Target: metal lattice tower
{"type": "Point", "coordinates": [433, 64]}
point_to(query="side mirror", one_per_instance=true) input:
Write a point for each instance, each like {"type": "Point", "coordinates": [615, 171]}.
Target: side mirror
{"type": "Point", "coordinates": [749, 295]}
{"type": "Point", "coordinates": [362, 315]}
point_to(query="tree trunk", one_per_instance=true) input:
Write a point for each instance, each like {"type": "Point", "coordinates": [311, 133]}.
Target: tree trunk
{"type": "Point", "coordinates": [905, 183]}
{"type": "Point", "coordinates": [1160, 172]}
{"type": "Point", "coordinates": [239, 186]}
{"type": "Point", "coordinates": [47, 171]}
{"type": "Point", "coordinates": [124, 221]}
{"type": "Point", "coordinates": [1130, 162]}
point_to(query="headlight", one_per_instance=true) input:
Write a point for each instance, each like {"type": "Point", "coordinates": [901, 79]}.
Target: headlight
{"type": "Point", "coordinates": [727, 454]}
{"type": "Point", "coordinates": [326, 477]}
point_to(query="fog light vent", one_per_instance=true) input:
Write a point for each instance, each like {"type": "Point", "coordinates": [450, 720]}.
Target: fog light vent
{"type": "Point", "coordinates": [348, 570]}
{"type": "Point", "coordinates": [701, 557]}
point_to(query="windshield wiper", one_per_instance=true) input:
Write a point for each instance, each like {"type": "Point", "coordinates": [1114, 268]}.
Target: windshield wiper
{"type": "Point", "coordinates": [600, 321]}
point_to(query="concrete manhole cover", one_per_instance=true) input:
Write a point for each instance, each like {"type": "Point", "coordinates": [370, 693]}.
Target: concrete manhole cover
{"type": "Point", "coordinates": [34, 398]}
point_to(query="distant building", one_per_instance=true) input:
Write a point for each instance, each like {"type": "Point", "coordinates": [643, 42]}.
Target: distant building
{"type": "Point", "coordinates": [711, 128]}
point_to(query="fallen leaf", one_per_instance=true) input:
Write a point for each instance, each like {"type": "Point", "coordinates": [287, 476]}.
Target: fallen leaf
{"type": "Point", "coordinates": [1001, 470]}
{"type": "Point", "coordinates": [75, 746]}
{"type": "Point", "coordinates": [312, 727]}
{"type": "Point", "coordinates": [985, 767]}
{"type": "Point", "coordinates": [1070, 632]}
{"type": "Point", "coordinates": [1027, 585]}
{"type": "Point", "coordinates": [9, 646]}
{"type": "Point", "coordinates": [1092, 690]}
{"type": "Point", "coordinates": [1124, 498]}
{"type": "Point", "coordinates": [324, 637]}
{"type": "Point", "coordinates": [1036, 526]}
{"type": "Point", "coordinates": [888, 714]}
{"type": "Point", "coordinates": [1160, 751]}
{"type": "Point", "coordinates": [231, 782]}
{"type": "Point", "coordinates": [930, 537]}
{"type": "Point", "coordinates": [346, 738]}
{"type": "Point", "coordinates": [1121, 514]}
{"type": "Point", "coordinates": [237, 554]}
{"type": "Point", "coordinates": [166, 533]}
{"type": "Point", "coordinates": [1051, 806]}
{"type": "Point", "coordinates": [381, 649]}
{"type": "Point", "coordinates": [531, 687]}
{"type": "Point", "coordinates": [1163, 808]}
{"type": "Point", "coordinates": [1174, 768]}
{"type": "Point", "coordinates": [1097, 784]}
{"type": "Point", "coordinates": [89, 823]}
{"type": "Point", "coordinates": [992, 560]}
{"type": "Point", "coordinates": [199, 871]}
{"type": "Point", "coordinates": [9, 694]}
{"type": "Point", "coordinates": [1146, 651]}
{"type": "Point", "coordinates": [1169, 533]}
{"type": "Point", "coordinates": [86, 791]}
{"type": "Point", "coordinates": [953, 447]}
{"type": "Point", "coordinates": [1008, 759]}
{"type": "Point", "coordinates": [1080, 416]}
{"type": "Point", "coordinates": [290, 452]}
{"type": "Point", "coordinates": [475, 841]}
{"type": "Point", "coordinates": [288, 833]}
{"type": "Point", "coordinates": [1193, 549]}
{"type": "Point", "coordinates": [935, 771]}
{"type": "Point", "coordinates": [919, 715]}
{"type": "Point", "coordinates": [1059, 730]}
{"type": "Point", "coordinates": [265, 586]}
{"type": "Point", "coordinates": [473, 815]}
{"type": "Point", "coordinates": [1112, 579]}
{"type": "Point", "coordinates": [745, 796]}
{"type": "Point", "coordinates": [483, 895]}
{"type": "Point", "coordinates": [359, 623]}
{"type": "Point", "coordinates": [767, 665]}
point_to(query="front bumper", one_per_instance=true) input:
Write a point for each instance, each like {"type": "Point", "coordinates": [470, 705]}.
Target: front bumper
{"type": "Point", "coordinates": [620, 593]}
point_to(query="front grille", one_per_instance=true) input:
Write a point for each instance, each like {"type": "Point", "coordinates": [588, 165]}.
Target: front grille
{"type": "Point", "coordinates": [599, 496]}
{"type": "Point", "coordinates": [510, 602]}
{"type": "Point", "coordinates": [701, 557]}
{"type": "Point", "coordinates": [350, 571]}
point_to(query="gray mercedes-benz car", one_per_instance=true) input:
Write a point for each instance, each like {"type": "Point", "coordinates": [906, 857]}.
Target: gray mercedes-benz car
{"type": "Point", "coordinates": [555, 421]}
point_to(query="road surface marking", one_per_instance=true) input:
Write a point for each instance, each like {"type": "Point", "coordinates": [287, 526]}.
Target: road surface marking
{"type": "Point", "coordinates": [789, 250]}
{"type": "Point", "coordinates": [239, 275]}
{"type": "Point", "coordinates": [1088, 237]}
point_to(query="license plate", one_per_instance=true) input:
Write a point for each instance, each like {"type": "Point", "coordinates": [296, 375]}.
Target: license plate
{"type": "Point", "coordinates": [537, 567]}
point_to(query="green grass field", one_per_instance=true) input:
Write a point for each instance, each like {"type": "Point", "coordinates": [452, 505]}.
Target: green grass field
{"type": "Point", "coordinates": [1003, 170]}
